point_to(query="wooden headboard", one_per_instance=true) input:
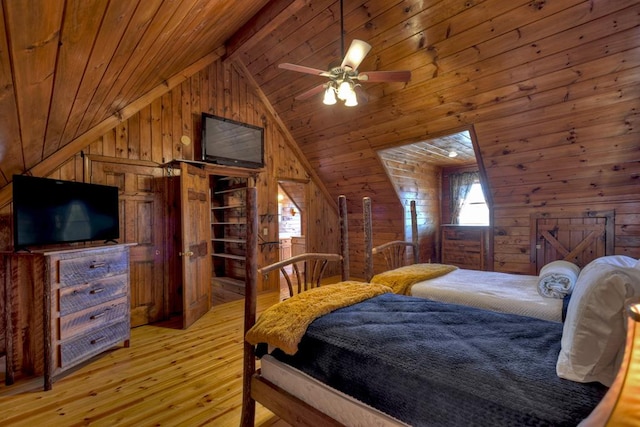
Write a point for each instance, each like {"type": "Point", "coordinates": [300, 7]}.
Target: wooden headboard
{"type": "Point", "coordinates": [394, 252]}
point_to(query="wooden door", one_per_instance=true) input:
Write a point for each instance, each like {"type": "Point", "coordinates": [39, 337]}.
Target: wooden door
{"type": "Point", "coordinates": [576, 237]}
{"type": "Point", "coordinates": [195, 206]}
{"type": "Point", "coordinates": [141, 207]}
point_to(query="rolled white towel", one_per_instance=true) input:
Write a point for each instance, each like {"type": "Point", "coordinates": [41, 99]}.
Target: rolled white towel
{"type": "Point", "coordinates": [557, 279]}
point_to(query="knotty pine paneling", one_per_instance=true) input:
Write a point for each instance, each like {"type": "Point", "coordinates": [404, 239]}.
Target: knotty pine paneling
{"type": "Point", "coordinates": [418, 181]}
{"type": "Point", "coordinates": [549, 87]}
{"type": "Point", "coordinates": [154, 134]}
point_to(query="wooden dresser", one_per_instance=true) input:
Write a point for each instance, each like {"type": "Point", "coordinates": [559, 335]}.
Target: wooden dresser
{"type": "Point", "coordinates": [465, 246]}
{"type": "Point", "coordinates": [66, 306]}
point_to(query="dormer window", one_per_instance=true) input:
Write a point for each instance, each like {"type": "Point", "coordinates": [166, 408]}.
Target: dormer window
{"type": "Point", "coordinates": [474, 210]}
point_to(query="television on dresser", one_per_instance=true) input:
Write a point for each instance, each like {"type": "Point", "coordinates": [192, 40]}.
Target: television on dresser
{"type": "Point", "coordinates": [52, 211]}
{"type": "Point", "coordinates": [231, 143]}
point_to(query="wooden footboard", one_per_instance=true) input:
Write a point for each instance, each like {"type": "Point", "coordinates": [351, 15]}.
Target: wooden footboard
{"type": "Point", "coordinates": [287, 406]}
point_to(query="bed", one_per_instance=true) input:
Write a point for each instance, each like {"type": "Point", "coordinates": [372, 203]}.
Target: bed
{"type": "Point", "coordinates": [505, 292]}
{"type": "Point", "coordinates": [432, 363]}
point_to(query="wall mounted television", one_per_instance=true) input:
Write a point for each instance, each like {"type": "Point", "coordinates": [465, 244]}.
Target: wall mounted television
{"type": "Point", "coordinates": [51, 211]}
{"type": "Point", "coordinates": [231, 143]}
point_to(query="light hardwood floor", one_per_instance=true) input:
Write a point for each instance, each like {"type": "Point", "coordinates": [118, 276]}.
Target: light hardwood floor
{"type": "Point", "coordinates": [168, 377]}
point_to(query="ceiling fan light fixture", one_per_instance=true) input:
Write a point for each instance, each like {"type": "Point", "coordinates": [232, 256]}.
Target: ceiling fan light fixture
{"type": "Point", "coordinates": [343, 78]}
{"type": "Point", "coordinates": [352, 99]}
{"type": "Point", "coordinates": [345, 89]}
{"type": "Point", "coordinates": [329, 96]}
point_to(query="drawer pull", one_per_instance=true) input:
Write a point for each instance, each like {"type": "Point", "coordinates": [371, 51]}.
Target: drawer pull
{"type": "Point", "coordinates": [98, 265]}
{"type": "Point", "coordinates": [96, 291]}
{"type": "Point", "coordinates": [97, 340]}
{"type": "Point", "coordinates": [99, 315]}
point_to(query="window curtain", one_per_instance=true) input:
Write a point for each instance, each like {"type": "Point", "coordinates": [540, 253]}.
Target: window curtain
{"type": "Point", "coordinates": [460, 185]}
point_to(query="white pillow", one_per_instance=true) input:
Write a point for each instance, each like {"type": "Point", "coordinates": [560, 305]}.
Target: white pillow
{"type": "Point", "coordinates": [594, 331]}
{"type": "Point", "coordinates": [617, 260]}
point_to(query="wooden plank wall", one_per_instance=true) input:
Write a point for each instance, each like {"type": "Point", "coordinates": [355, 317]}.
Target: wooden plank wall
{"type": "Point", "coordinates": [154, 134]}
{"type": "Point", "coordinates": [550, 88]}
{"type": "Point", "coordinates": [416, 180]}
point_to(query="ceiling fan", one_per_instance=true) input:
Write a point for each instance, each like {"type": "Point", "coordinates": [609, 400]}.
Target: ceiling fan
{"type": "Point", "coordinates": [344, 80]}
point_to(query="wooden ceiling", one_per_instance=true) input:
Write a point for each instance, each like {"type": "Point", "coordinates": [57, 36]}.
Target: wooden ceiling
{"type": "Point", "coordinates": [447, 151]}
{"type": "Point", "coordinates": [537, 80]}
{"type": "Point", "coordinates": [528, 76]}
{"type": "Point", "coordinates": [69, 66]}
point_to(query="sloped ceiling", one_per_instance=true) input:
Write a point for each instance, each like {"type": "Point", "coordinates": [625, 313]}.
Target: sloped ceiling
{"type": "Point", "coordinates": [67, 66]}
{"type": "Point", "coordinates": [446, 151]}
{"type": "Point", "coordinates": [537, 80]}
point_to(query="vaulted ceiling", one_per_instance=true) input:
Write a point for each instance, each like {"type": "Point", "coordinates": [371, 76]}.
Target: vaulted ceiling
{"type": "Point", "coordinates": [526, 75]}
{"type": "Point", "coordinates": [68, 67]}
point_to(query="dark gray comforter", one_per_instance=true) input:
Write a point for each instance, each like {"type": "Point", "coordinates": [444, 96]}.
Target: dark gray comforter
{"type": "Point", "coordinates": [436, 364]}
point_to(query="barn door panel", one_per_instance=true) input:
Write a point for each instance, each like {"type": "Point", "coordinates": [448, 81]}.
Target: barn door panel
{"type": "Point", "coordinates": [576, 237]}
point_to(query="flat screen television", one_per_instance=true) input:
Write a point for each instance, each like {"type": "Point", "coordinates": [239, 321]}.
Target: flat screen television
{"type": "Point", "coordinates": [50, 211]}
{"type": "Point", "coordinates": [231, 143]}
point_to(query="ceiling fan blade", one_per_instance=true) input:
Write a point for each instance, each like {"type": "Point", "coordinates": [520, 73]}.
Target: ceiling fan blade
{"type": "Point", "coordinates": [384, 76]}
{"type": "Point", "coordinates": [356, 53]}
{"type": "Point", "coordinates": [303, 69]}
{"type": "Point", "coordinates": [308, 94]}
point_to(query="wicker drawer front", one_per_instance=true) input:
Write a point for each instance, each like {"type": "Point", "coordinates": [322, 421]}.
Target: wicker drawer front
{"type": "Point", "coordinates": [93, 318]}
{"type": "Point", "coordinates": [84, 269]}
{"type": "Point", "coordinates": [78, 297]}
{"type": "Point", "coordinates": [90, 344]}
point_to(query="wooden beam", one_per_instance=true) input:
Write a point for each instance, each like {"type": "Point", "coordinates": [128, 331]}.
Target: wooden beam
{"type": "Point", "coordinates": [63, 154]}
{"type": "Point", "coordinates": [287, 136]}
{"type": "Point", "coordinates": [271, 16]}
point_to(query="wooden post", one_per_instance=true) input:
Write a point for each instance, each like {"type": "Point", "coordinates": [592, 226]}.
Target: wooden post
{"type": "Point", "coordinates": [414, 233]}
{"type": "Point", "coordinates": [344, 236]}
{"type": "Point", "coordinates": [368, 239]}
{"type": "Point", "coordinates": [250, 302]}
{"type": "Point", "coordinates": [8, 318]}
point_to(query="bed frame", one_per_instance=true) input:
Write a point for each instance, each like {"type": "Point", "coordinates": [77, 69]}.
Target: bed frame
{"type": "Point", "coordinates": [394, 252]}
{"type": "Point", "coordinates": [307, 272]}
{"type": "Point", "coordinates": [283, 404]}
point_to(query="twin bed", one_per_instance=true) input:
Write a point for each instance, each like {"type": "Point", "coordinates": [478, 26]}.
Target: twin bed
{"type": "Point", "coordinates": [359, 354]}
{"type": "Point", "coordinates": [505, 292]}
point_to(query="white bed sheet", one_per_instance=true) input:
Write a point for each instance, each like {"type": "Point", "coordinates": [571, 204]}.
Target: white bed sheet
{"type": "Point", "coordinates": [504, 292]}
{"type": "Point", "coordinates": [339, 406]}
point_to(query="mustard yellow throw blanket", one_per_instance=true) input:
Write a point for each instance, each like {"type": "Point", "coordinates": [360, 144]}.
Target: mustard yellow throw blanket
{"type": "Point", "coordinates": [283, 325]}
{"type": "Point", "coordinates": [401, 279]}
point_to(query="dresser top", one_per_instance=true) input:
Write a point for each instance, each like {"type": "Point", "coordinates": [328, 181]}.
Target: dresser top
{"type": "Point", "coordinates": [67, 249]}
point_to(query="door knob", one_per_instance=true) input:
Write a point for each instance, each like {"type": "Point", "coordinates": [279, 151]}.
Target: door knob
{"type": "Point", "coordinates": [188, 253]}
